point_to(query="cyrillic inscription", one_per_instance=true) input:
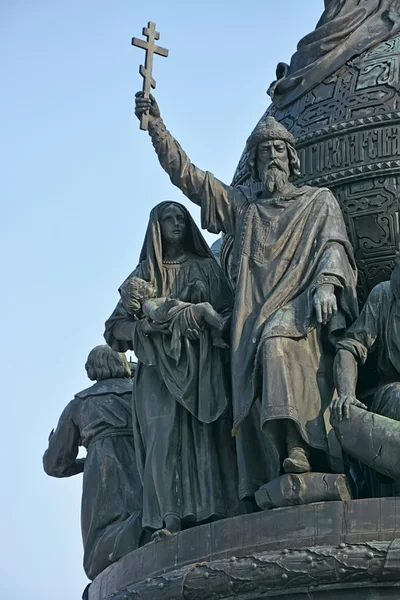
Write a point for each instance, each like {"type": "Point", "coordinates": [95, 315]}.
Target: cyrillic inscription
{"type": "Point", "coordinates": [346, 150]}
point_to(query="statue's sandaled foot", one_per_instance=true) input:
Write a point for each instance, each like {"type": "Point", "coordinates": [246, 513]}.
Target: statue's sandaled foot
{"type": "Point", "coordinates": [160, 534]}
{"type": "Point", "coordinates": [297, 462]}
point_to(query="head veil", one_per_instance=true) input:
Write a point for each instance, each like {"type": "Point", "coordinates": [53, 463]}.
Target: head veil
{"type": "Point", "coordinates": [152, 245]}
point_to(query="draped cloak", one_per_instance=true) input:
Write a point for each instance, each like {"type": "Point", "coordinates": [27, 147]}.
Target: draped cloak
{"type": "Point", "coordinates": [100, 419]}
{"type": "Point", "coordinates": [346, 29]}
{"type": "Point", "coordinates": [283, 249]}
{"type": "Point", "coordinates": [182, 415]}
{"type": "Point", "coordinates": [378, 328]}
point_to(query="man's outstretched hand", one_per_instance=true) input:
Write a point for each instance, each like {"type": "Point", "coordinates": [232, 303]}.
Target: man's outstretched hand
{"type": "Point", "coordinates": [146, 105]}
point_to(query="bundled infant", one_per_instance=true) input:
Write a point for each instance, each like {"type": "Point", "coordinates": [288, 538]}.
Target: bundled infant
{"type": "Point", "coordinates": [139, 299]}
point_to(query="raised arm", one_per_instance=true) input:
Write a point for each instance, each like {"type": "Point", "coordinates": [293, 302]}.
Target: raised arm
{"type": "Point", "coordinates": [60, 458]}
{"type": "Point", "coordinates": [217, 200]}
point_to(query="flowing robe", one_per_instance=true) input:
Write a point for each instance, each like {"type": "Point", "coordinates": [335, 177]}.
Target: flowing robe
{"type": "Point", "coordinates": [346, 29]}
{"type": "Point", "coordinates": [378, 328]}
{"type": "Point", "coordinates": [100, 419]}
{"type": "Point", "coordinates": [182, 417]}
{"type": "Point", "coordinates": [283, 249]}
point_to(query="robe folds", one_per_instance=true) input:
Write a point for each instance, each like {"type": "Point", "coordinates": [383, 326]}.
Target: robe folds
{"type": "Point", "coordinates": [182, 410]}
{"type": "Point", "coordinates": [346, 29]}
{"type": "Point", "coordinates": [283, 249]}
{"type": "Point", "coordinates": [378, 328]}
{"type": "Point", "coordinates": [100, 419]}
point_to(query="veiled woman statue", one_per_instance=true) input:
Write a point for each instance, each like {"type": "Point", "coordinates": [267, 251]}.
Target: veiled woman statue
{"type": "Point", "coordinates": [182, 422]}
{"type": "Point", "coordinates": [100, 419]}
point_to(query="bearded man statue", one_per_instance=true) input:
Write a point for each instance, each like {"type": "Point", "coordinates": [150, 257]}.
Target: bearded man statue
{"type": "Point", "coordinates": [294, 278]}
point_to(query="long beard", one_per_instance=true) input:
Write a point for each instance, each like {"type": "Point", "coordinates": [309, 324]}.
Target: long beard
{"type": "Point", "coordinates": [274, 179]}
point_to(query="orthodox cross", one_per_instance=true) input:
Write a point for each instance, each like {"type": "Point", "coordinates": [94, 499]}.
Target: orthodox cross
{"type": "Point", "coordinates": [146, 70]}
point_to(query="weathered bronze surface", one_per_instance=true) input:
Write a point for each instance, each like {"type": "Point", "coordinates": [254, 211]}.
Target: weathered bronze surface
{"type": "Point", "coordinates": [347, 126]}
{"type": "Point", "coordinates": [182, 416]}
{"type": "Point", "coordinates": [325, 551]}
{"type": "Point", "coordinates": [304, 488]}
{"type": "Point", "coordinates": [290, 304]}
{"type": "Point", "coordinates": [100, 419]}
{"type": "Point", "coordinates": [146, 70]}
{"type": "Point", "coordinates": [372, 437]}
{"type": "Point", "coordinates": [293, 274]}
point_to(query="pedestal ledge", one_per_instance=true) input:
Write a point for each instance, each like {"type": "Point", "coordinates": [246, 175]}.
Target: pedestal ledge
{"type": "Point", "coordinates": [331, 550]}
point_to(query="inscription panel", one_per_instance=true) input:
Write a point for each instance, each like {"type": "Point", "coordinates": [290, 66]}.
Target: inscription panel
{"type": "Point", "coordinates": [350, 149]}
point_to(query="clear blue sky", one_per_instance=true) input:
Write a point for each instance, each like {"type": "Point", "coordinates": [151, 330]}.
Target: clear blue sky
{"type": "Point", "coordinates": [78, 179]}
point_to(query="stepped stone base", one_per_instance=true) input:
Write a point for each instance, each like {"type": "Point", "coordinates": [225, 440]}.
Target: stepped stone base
{"type": "Point", "coordinates": [323, 551]}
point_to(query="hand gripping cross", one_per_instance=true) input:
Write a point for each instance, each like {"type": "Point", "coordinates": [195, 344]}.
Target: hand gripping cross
{"type": "Point", "coordinates": [146, 70]}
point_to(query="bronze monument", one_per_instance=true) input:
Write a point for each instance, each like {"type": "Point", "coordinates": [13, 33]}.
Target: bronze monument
{"type": "Point", "coordinates": [100, 419]}
{"type": "Point", "coordinates": [263, 457]}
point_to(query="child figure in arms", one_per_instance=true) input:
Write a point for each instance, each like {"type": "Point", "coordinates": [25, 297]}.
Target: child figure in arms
{"type": "Point", "coordinates": [139, 299]}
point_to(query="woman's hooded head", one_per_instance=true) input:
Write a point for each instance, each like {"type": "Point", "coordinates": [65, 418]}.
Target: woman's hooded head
{"type": "Point", "coordinates": [152, 250]}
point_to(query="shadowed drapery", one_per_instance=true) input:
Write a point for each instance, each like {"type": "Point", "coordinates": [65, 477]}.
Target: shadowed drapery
{"type": "Point", "coordinates": [346, 29]}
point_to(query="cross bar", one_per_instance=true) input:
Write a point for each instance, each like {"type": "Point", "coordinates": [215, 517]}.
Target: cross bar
{"type": "Point", "coordinates": [151, 29]}
{"type": "Point", "coordinates": [146, 70]}
{"type": "Point", "coordinates": [144, 45]}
